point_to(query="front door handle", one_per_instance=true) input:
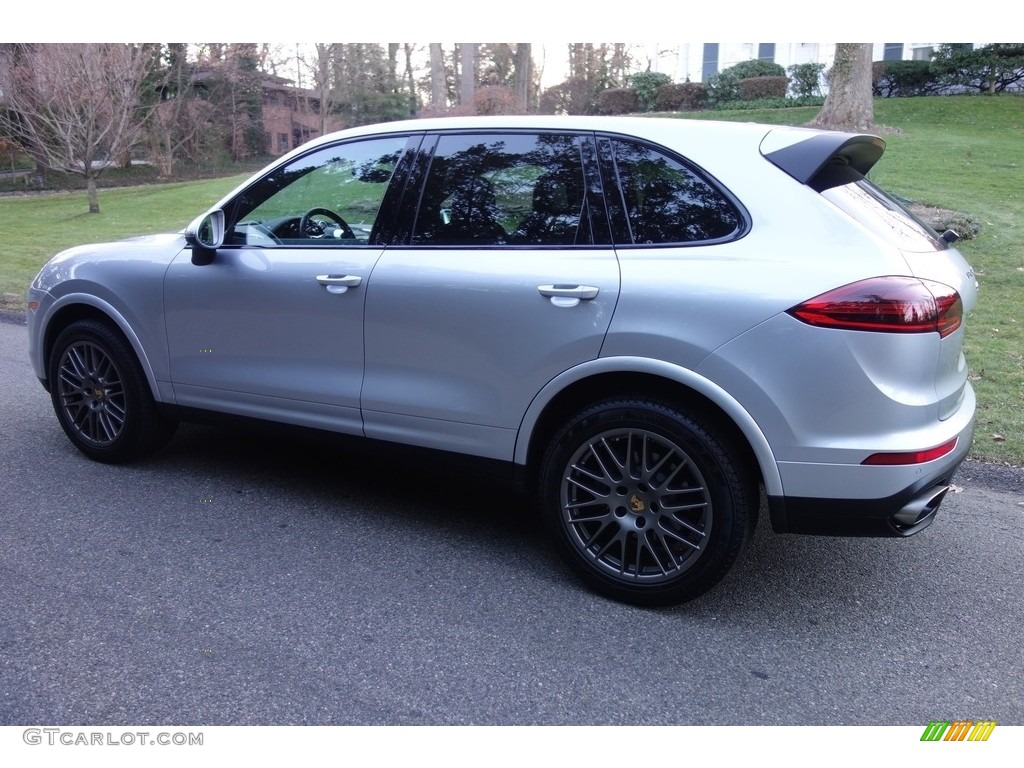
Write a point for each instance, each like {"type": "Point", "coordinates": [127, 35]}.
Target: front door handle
{"type": "Point", "coordinates": [339, 283]}
{"type": "Point", "coordinates": [568, 295]}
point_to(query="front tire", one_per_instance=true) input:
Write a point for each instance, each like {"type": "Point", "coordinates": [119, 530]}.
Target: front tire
{"type": "Point", "coordinates": [648, 504]}
{"type": "Point", "coordinates": [101, 396]}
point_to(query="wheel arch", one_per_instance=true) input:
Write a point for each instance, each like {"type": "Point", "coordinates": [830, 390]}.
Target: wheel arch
{"type": "Point", "coordinates": [74, 307]}
{"type": "Point", "coordinates": [606, 378]}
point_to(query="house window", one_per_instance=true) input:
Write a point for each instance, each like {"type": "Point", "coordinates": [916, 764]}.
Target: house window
{"type": "Point", "coordinates": [924, 54]}
{"type": "Point", "coordinates": [892, 51]}
{"type": "Point", "coordinates": [710, 66]}
{"type": "Point", "coordinates": [282, 142]}
{"type": "Point", "coordinates": [766, 51]}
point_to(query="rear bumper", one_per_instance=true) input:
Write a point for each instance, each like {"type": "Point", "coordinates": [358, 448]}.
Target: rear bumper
{"type": "Point", "coordinates": [904, 513]}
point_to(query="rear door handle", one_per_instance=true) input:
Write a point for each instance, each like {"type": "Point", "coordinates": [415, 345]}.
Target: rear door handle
{"type": "Point", "coordinates": [339, 283]}
{"type": "Point", "coordinates": [568, 295]}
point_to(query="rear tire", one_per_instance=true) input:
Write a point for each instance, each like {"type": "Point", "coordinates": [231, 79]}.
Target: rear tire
{"type": "Point", "coordinates": [101, 396]}
{"type": "Point", "coordinates": [650, 505]}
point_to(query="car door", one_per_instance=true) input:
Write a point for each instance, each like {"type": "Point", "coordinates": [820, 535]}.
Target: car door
{"type": "Point", "coordinates": [506, 280]}
{"type": "Point", "coordinates": [273, 326]}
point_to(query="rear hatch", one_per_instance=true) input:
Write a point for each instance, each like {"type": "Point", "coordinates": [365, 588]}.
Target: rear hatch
{"type": "Point", "coordinates": [835, 164]}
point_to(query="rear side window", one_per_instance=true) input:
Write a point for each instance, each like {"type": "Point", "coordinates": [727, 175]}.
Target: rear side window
{"type": "Point", "coordinates": [885, 216]}
{"type": "Point", "coordinates": [662, 201]}
{"type": "Point", "coordinates": [505, 189]}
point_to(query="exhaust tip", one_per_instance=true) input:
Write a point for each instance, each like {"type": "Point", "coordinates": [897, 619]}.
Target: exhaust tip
{"type": "Point", "coordinates": [919, 513]}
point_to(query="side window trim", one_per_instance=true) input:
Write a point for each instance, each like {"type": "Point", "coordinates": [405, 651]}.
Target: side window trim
{"type": "Point", "coordinates": [387, 229]}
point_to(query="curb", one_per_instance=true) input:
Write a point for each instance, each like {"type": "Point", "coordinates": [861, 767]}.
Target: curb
{"type": "Point", "coordinates": [13, 317]}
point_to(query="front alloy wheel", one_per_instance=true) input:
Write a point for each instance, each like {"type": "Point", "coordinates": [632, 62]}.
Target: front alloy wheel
{"type": "Point", "coordinates": [91, 393]}
{"type": "Point", "coordinates": [101, 396]}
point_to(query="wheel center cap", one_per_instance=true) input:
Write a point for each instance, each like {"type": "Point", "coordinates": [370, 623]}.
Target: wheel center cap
{"type": "Point", "coordinates": [636, 503]}
{"type": "Point", "coordinates": [97, 392]}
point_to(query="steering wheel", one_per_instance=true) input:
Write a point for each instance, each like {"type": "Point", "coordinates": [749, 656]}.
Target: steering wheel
{"type": "Point", "coordinates": [310, 228]}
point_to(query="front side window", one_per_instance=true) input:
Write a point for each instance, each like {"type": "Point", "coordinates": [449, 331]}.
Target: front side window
{"type": "Point", "coordinates": [504, 189]}
{"type": "Point", "coordinates": [661, 201]}
{"type": "Point", "coordinates": [329, 197]}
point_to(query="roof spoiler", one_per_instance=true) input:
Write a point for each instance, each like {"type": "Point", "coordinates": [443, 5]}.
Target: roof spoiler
{"type": "Point", "coordinates": [826, 158]}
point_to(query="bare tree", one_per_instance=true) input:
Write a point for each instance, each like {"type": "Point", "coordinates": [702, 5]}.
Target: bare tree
{"type": "Point", "coordinates": [75, 106]}
{"type": "Point", "coordinates": [179, 120]}
{"type": "Point", "coordinates": [849, 104]}
{"type": "Point", "coordinates": [321, 69]}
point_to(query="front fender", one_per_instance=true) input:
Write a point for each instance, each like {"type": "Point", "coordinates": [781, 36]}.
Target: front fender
{"type": "Point", "coordinates": [41, 319]}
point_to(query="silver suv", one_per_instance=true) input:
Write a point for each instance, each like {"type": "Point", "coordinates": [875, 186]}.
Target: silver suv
{"type": "Point", "coordinates": [644, 321]}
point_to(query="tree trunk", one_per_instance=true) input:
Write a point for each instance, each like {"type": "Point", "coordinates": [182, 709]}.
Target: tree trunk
{"type": "Point", "coordinates": [90, 186]}
{"type": "Point", "coordinates": [523, 73]}
{"type": "Point", "coordinates": [849, 105]}
{"type": "Point", "coordinates": [438, 88]}
{"type": "Point", "coordinates": [467, 80]}
{"type": "Point", "coordinates": [410, 78]}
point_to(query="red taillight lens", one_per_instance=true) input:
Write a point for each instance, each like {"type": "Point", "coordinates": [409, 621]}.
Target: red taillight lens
{"type": "Point", "coordinates": [887, 305]}
{"type": "Point", "coordinates": [913, 457]}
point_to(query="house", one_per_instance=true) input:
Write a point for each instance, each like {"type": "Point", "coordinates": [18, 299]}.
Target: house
{"type": "Point", "coordinates": [699, 61]}
{"type": "Point", "coordinates": [291, 116]}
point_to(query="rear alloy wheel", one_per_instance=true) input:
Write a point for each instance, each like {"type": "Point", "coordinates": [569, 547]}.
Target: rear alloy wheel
{"type": "Point", "coordinates": [649, 505]}
{"type": "Point", "coordinates": [101, 396]}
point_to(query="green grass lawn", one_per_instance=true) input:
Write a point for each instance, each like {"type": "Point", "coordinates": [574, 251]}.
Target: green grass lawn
{"type": "Point", "coordinates": [35, 227]}
{"type": "Point", "coordinates": [965, 153]}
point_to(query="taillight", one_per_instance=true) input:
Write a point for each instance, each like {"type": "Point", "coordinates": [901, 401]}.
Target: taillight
{"type": "Point", "coordinates": [888, 305]}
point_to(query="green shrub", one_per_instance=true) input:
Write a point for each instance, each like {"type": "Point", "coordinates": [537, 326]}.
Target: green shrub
{"type": "Point", "coordinates": [993, 67]}
{"type": "Point", "coordinates": [618, 101]}
{"type": "Point", "coordinates": [646, 85]}
{"type": "Point", "coordinates": [904, 78]}
{"type": "Point", "coordinates": [575, 96]}
{"type": "Point", "coordinates": [752, 88]}
{"type": "Point", "coordinates": [724, 87]}
{"type": "Point", "coordinates": [681, 97]}
{"type": "Point", "coordinates": [775, 103]}
{"type": "Point", "coordinates": [805, 80]}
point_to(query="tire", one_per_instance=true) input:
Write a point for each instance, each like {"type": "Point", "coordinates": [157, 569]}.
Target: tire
{"type": "Point", "coordinates": [101, 396]}
{"type": "Point", "coordinates": [649, 505]}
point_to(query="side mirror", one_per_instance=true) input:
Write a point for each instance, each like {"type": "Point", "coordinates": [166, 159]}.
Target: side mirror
{"type": "Point", "coordinates": [205, 235]}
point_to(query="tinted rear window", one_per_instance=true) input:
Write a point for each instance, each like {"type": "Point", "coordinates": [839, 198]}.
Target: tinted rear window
{"type": "Point", "coordinates": [885, 216]}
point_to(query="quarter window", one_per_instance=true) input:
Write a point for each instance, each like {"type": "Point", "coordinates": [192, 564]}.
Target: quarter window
{"type": "Point", "coordinates": [662, 201]}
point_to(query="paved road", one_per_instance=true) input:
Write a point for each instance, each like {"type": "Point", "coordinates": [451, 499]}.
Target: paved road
{"type": "Point", "coordinates": [238, 581]}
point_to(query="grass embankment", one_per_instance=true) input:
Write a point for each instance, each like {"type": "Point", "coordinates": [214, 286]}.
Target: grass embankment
{"type": "Point", "coordinates": [965, 153]}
